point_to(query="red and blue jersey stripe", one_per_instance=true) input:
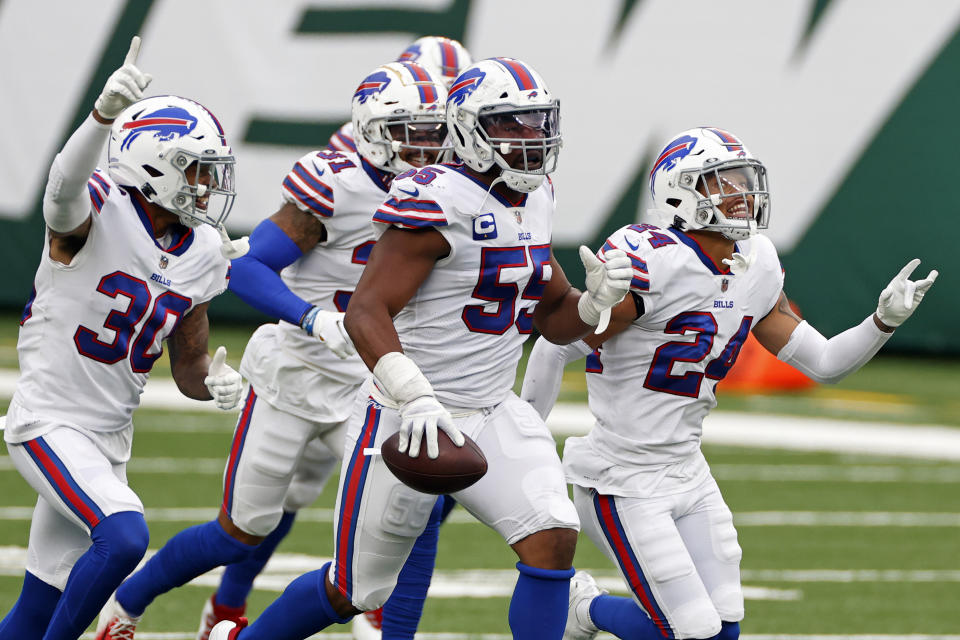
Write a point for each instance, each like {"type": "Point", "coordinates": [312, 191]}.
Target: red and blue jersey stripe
{"type": "Point", "coordinates": [350, 498]}
{"type": "Point", "coordinates": [641, 274]}
{"type": "Point", "coordinates": [57, 474]}
{"type": "Point", "coordinates": [521, 74]}
{"type": "Point", "coordinates": [99, 189]}
{"type": "Point", "coordinates": [612, 527]}
{"type": "Point", "coordinates": [410, 213]}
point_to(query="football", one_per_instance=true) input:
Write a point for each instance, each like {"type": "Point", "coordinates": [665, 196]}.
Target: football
{"type": "Point", "coordinates": [455, 469]}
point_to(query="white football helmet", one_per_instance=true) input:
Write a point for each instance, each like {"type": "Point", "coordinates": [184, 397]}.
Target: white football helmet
{"type": "Point", "coordinates": [506, 96]}
{"type": "Point", "coordinates": [173, 151]}
{"type": "Point", "coordinates": [443, 57]}
{"type": "Point", "coordinates": [398, 117]}
{"type": "Point", "coordinates": [706, 178]}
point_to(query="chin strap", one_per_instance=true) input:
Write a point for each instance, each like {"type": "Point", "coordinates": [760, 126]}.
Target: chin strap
{"type": "Point", "coordinates": [232, 249]}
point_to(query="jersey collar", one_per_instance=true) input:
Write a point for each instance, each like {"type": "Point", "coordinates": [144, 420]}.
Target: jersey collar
{"type": "Point", "coordinates": [380, 177]}
{"type": "Point", "coordinates": [701, 254]}
{"type": "Point", "coordinates": [182, 234]}
{"type": "Point", "coordinates": [462, 170]}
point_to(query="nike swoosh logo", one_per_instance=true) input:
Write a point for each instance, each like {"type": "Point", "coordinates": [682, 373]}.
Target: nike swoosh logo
{"type": "Point", "coordinates": [413, 193]}
{"type": "Point", "coordinates": [631, 245]}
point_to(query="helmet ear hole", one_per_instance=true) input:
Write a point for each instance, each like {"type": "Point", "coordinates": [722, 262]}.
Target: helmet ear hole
{"type": "Point", "coordinates": [152, 171]}
{"type": "Point", "coordinates": [674, 202]}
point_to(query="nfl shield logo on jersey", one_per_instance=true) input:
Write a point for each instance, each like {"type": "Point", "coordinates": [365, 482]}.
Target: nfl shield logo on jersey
{"type": "Point", "coordinates": [164, 262]}
{"type": "Point", "coordinates": [724, 284]}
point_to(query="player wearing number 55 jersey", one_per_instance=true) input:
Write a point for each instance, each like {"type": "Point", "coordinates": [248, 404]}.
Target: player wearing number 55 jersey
{"type": "Point", "coordinates": [641, 485]}
{"type": "Point", "coordinates": [460, 275]}
{"type": "Point", "coordinates": [131, 258]}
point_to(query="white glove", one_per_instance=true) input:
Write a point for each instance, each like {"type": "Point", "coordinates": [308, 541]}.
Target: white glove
{"type": "Point", "coordinates": [327, 327]}
{"type": "Point", "coordinates": [900, 298]}
{"type": "Point", "coordinates": [225, 384]}
{"type": "Point", "coordinates": [124, 86]}
{"type": "Point", "coordinates": [739, 263]}
{"type": "Point", "coordinates": [420, 413]}
{"type": "Point", "coordinates": [607, 284]}
{"type": "Point", "coordinates": [425, 415]}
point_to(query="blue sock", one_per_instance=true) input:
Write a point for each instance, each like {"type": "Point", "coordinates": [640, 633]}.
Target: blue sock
{"type": "Point", "coordinates": [538, 608]}
{"type": "Point", "coordinates": [402, 611]}
{"type": "Point", "coordinates": [623, 618]}
{"type": "Point", "coordinates": [237, 580]}
{"type": "Point", "coordinates": [301, 610]}
{"type": "Point", "coordinates": [31, 614]}
{"type": "Point", "coordinates": [448, 504]}
{"type": "Point", "coordinates": [119, 542]}
{"type": "Point", "coordinates": [728, 631]}
{"type": "Point", "coordinates": [190, 553]}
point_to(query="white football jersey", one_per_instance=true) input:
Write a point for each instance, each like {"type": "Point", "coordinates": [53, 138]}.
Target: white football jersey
{"type": "Point", "coordinates": [342, 139]}
{"type": "Point", "coordinates": [466, 324]}
{"type": "Point", "coordinates": [651, 385]}
{"type": "Point", "coordinates": [290, 369]}
{"type": "Point", "coordinates": [93, 329]}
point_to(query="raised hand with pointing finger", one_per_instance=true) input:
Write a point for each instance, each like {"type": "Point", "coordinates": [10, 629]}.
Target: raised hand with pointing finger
{"type": "Point", "coordinates": [124, 86]}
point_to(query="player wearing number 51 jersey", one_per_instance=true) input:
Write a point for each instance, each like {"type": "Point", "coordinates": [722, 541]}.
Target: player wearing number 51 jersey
{"type": "Point", "coordinates": [641, 485]}
{"type": "Point", "coordinates": [130, 260]}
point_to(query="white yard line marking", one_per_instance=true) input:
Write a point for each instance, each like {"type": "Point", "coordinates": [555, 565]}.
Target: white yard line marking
{"type": "Point", "coordinates": [850, 575]}
{"type": "Point", "coordinates": [720, 427]}
{"type": "Point", "coordinates": [283, 568]}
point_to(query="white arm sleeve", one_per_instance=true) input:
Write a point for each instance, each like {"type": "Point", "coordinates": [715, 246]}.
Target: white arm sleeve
{"type": "Point", "coordinates": [541, 382]}
{"type": "Point", "coordinates": [66, 204]}
{"type": "Point", "coordinates": [832, 360]}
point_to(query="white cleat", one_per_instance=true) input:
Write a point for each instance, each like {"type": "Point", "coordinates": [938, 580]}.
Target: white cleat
{"type": "Point", "coordinates": [368, 625]}
{"type": "Point", "coordinates": [583, 589]}
{"type": "Point", "coordinates": [114, 622]}
{"type": "Point", "coordinates": [227, 630]}
{"type": "Point", "coordinates": [214, 613]}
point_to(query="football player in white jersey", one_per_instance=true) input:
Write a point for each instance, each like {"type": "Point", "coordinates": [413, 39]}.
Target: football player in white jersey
{"type": "Point", "coordinates": [460, 275]}
{"type": "Point", "coordinates": [443, 58]}
{"type": "Point", "coordinates": [643, 490]}
{"type": "Point", "coordinates": [130, 259]}
{"type": "Point", "coordinates": [303, 371]}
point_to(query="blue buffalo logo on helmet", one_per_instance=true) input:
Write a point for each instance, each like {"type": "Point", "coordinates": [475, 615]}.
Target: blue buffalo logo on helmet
{"type": "Point", "coordinates": [371, 85]}
{"type": "Point", "coordinates": [465, 84]}
{"type": "Point", "coordinates": [165, 124]}
{"type": "Point", "coordinates": [674, 151]}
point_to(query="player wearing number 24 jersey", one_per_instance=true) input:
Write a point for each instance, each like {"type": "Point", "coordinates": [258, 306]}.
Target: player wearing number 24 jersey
{"type": "Point", "coordinates": [641, 485]}
{"type": "Point", "coordinates": [131, 259]}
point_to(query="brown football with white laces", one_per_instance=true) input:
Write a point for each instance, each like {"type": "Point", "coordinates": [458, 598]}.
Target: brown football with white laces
{"type": "Point", "coordinates": [454, 469]}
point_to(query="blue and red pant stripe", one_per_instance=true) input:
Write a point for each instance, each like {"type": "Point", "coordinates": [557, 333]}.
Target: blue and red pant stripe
{"type": "Point", "coordinates": [352, 493]}
{"type": "Point", "coordinates": [236, 450]}
{"type": "Point", "coordinates": [609, 518]}
{"type": "Point", "coordinates": [57, 474]}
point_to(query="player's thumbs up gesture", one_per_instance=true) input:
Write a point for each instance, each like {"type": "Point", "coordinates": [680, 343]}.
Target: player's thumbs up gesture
{"type": "Point", "coordinates": [224, 384]}
{"type": "Point", "coordinates": [124, 86]}
{"type": "Point", "coordinates": [607, 283]}
{"type": "Point", "coordinates": [900, 298]}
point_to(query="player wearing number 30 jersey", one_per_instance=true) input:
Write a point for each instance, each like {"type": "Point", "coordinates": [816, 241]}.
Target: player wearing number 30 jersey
{"type": "Point", "coordinates": [131, 259]}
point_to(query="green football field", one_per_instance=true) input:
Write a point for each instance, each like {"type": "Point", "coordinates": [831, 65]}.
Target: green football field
{"type": "Point", "coordinates": [835, 544]}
